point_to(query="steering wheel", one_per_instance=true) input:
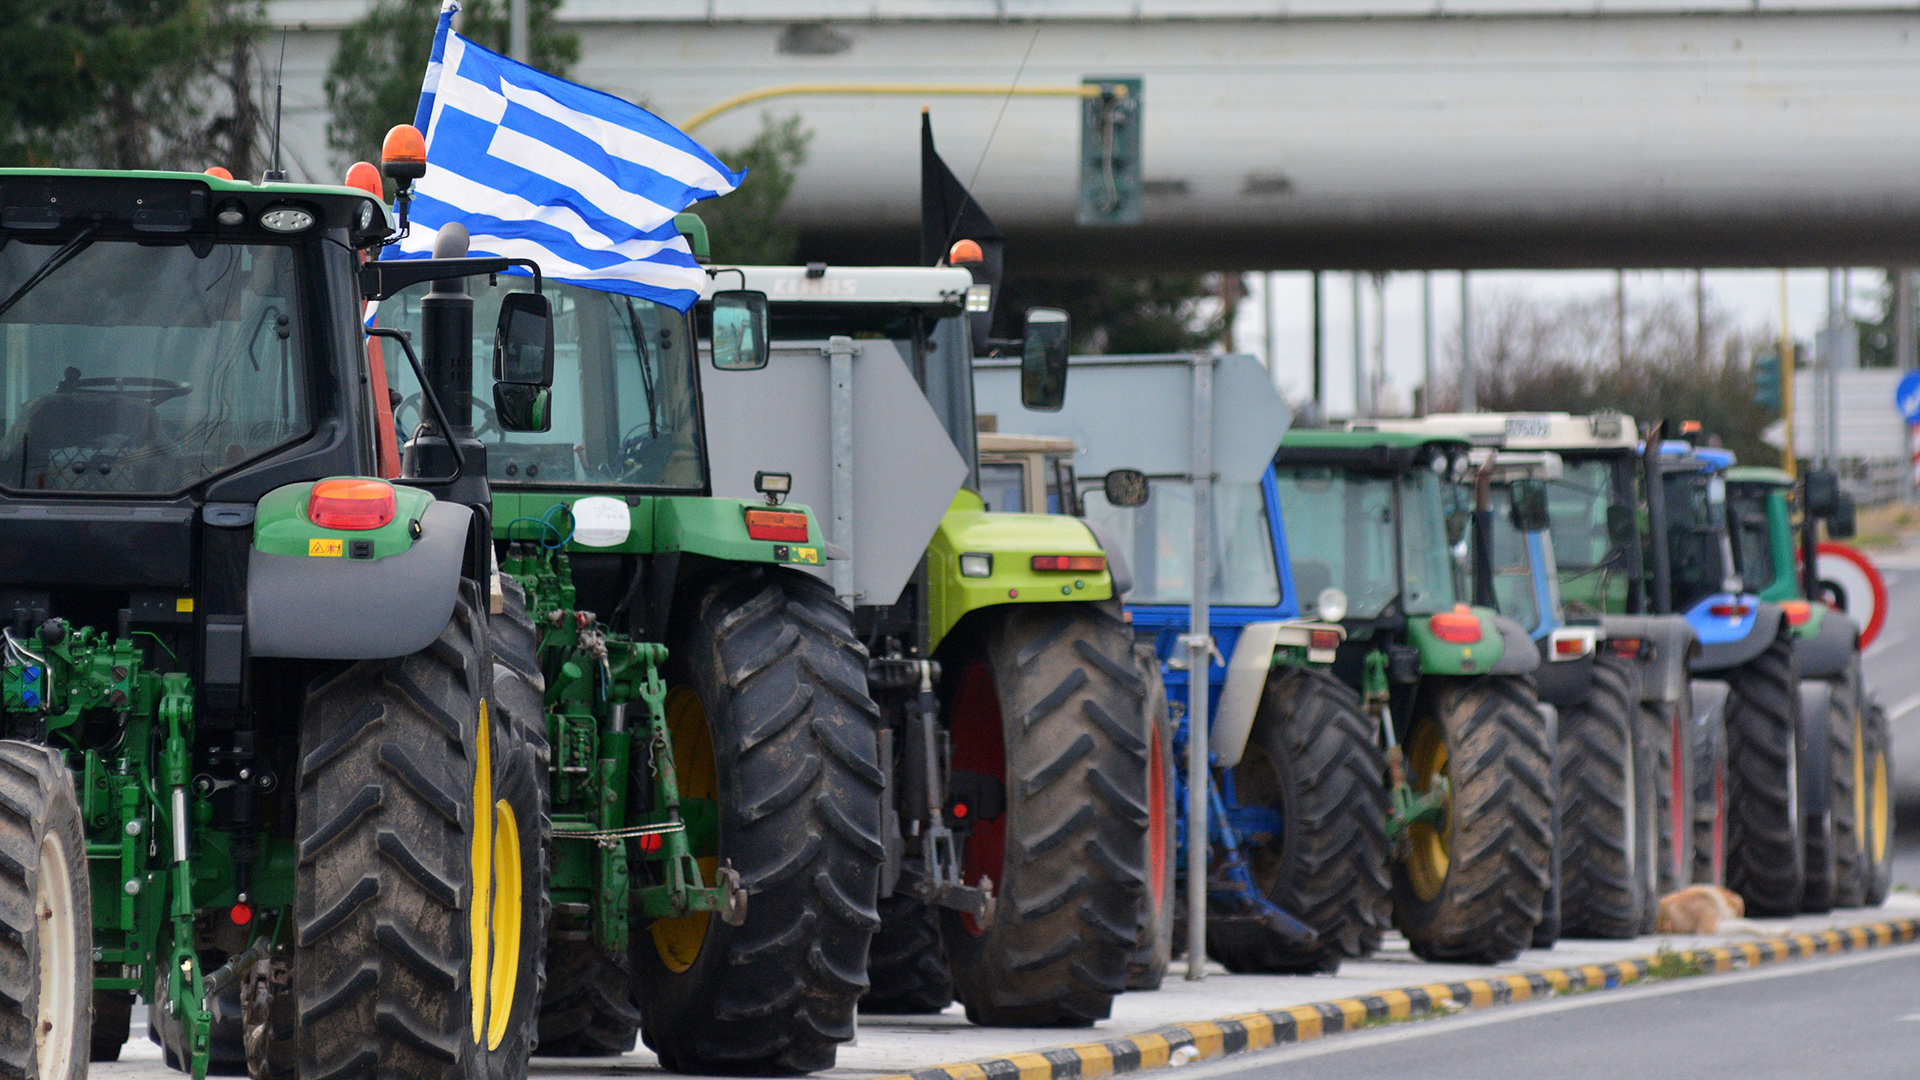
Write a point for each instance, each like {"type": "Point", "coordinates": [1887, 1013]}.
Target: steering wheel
{"type": "Point", "coordinates": [154, 390]}
{"type": "Point", "coordinates": [489, 421]}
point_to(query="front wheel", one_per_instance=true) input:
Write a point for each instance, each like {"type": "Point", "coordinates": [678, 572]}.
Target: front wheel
{"type": "Point", "coordinates": [1766, 839]}
{"type": "Point", "coordinates": [46, 928]}
{"type": "Point", "coordinates": [1471, 886]}
{"type": "Point", "coordinates": [771, 721]}
{"type": "Point", "coordinates": [1313, 764]}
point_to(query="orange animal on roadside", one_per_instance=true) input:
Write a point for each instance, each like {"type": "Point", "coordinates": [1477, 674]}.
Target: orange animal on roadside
{"type": "Point", "coordinates": [1704, 909]}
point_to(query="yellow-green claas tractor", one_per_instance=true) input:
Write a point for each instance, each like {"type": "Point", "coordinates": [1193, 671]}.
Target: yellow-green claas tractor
{"type": "Point", "coordinates": [1013, 740]}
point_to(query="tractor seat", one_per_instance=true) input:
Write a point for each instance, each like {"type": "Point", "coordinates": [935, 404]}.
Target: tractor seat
{"type": "Point", "coordinates": [84, 440]}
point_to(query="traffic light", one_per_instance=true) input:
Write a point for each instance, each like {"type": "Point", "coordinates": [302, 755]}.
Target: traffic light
{"type": "Point", "coordinates": [1766, 381]}
{"type": "Point", "coordinates": [1110, 154]}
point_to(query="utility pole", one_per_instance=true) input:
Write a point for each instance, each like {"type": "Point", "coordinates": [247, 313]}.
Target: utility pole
{"type": "Point", "coordinates": [1319, 352]}
{"type": "Point", "coordinates": [1362, 396]}
{"type": "Point", "coordinates": [518, 31]}
{"type": "Point", "coordinates": [1620, 320]}
{"type": "Point", "coordinates": [1379, 339]}
{"type": "Point", "coordinates": [1700, 318]}
{"type": "Point", "coordinates": [1266, 319]}
{"type": "Point", "coordinates": [1426, 342]}
{"type": "Point", "coordinates": [1469, 393]}
{"type": "Point", "coordinates": [1786, 380]}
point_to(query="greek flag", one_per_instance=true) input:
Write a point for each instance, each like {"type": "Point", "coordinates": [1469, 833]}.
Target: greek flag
{"type": "Point", "coordinates": [539, 168]}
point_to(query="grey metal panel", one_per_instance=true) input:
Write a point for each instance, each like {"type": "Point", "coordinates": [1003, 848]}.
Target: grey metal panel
{"type": "Point", "coordinates": [1521, 655]}
{"type": "Point", "coordinates": [1664, 677]}
{"type": "Point", "coordinates": [906, 470]}
{"type": "Point", "coordinates": [1133, 412]}
{"type": "Point", "coordinates": [352, 609]}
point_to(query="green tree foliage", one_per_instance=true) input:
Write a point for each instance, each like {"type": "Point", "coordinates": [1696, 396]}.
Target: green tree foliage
{"type": "Point", "coordinates": [116, 84]}
{"type": "Point", "coordinates": [374, 80]}
{"type": "Point", "coordinates": [1123, 313]}
{"type": "Point", "coordinates": [1536, 355]}
{"type": "Point", "coordinates": [744, 225]}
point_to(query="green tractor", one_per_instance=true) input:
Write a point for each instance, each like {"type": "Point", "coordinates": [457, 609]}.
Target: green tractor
{"type": "Point", "coordinates": [1470, 760]}
{"type": "Point", "coordinates": [715, 772]}
{"type": "Point", "coordinates": [1015, 754]}
{"type": "Point", "coordinates": [262, 761]}
{"type": "Point", "coordinates": [1844, 795]}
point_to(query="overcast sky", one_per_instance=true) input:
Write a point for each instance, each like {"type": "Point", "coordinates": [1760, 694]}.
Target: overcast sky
{"type": "Point", "coordinates": [1751, 296]}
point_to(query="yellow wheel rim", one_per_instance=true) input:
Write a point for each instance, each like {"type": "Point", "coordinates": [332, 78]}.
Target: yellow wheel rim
{"type": "Point", "coordinates": [506, 923]}
{"type": "Point", "coordinates": [1882, 807]}
{"type": "Point", "coordinates": [481, 868]}
{"type": "Point", "coordinates": [1427, 859]}
{"type": "Point", "coordinates": [679, 940]}
{"type": "Point", "coordinates": [1863, 835]}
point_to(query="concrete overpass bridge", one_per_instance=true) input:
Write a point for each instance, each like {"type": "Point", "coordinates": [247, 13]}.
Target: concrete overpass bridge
{"type": "Point", "coordinates": [1313, 134]}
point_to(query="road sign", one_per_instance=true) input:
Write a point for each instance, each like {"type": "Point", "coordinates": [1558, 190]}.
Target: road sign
{"type": "Point", "coordinates": [1854, 585]}
{"type": "Point", "coordinates": [1906, 397]}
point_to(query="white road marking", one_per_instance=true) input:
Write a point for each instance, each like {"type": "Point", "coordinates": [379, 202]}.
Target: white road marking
{"type": "Point", "coordinates": [1903, 707]}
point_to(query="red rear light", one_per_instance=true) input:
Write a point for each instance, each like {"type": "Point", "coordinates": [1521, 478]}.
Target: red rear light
{"type": "Point", "coordinates": [1625, 647]}
{"type": "Point", "coordinates": [1323, 639]}
{"type": "Point", "coordinates": [1797, 611]}
{"type": "Point", "coordinates": [1459, 626]}
{"type": "Point", "coordinates": [1569, 646]}
{"type": "Point", "coordinates": [241, 914]}
{"type": "Point", "coordinates": [785, 525]}
{"type": "Point", "coordinates": [1730, 611]}
{"type": "Point", "coordinates": [1086, 564]}
{"type": "Point", "coordinates": [351, 504]}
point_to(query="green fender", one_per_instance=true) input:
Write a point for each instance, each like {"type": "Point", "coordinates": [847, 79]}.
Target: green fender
{"type": "Point", "coordinates": [1011, 541]}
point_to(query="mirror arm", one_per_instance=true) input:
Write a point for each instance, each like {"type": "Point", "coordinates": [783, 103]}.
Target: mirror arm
{"type": "Point", "coordinates": [433, 402]}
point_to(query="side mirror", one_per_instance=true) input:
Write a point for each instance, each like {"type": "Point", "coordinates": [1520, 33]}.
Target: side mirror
{"type": "Point", "coordinates": [1043, 360]}
{"type": "Point", "coordinates": [1822, 493]}
{"type": "Point", "coordinates": [523, 340]}
{"type": "Point", "coordinates": [522, 406]}
{"type": "Point", "coordinates": [1126, 488]}
{"type": "Point", "coordinates": [740, 330]}
{"type": "Point", "coordinates": [1529, 499]}
{"type": "Point", "coordinates": [1840, 525]}
{"type": "Point", "coordinates": [1622, 528]}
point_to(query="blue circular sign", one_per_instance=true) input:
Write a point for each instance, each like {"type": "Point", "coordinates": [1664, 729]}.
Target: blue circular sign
{"type": "Point", "coordinates": [1906, 397]}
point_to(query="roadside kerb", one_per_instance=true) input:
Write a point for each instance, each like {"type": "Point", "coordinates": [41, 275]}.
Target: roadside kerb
{"type": "Point", "coordinates": [1300, 1023]}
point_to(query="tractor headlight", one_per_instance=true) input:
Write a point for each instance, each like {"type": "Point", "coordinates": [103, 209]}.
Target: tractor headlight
{"type": "Point", "coordinates": [1331, 604]}
{"type": "Point", "coordinates": [976, 564]}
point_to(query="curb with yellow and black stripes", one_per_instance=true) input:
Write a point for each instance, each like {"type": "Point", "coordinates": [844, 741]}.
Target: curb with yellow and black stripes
{"type": "Point", "coordinates": [1300, 1023]}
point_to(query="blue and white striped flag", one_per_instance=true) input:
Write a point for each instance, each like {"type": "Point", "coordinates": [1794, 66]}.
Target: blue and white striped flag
{"type": "Point", "coordinates": [536, 167]}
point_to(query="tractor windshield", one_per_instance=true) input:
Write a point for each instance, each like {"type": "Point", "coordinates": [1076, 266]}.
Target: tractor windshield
{"type": "Point", "coordinates": [1750, 529]}
{"type": "Point", "coordinates": [1514, 592]}
{"type": "Point", "coordinates": [145, 368]}
{"type": "Point", "coordinates": [1696, 536]}
{"type": "Point", "coordinates": [1355, 531]}
{"type": "Point", "coordinates": [625, 406]}
{"type": "Point", "coordinates": [1158, 541]}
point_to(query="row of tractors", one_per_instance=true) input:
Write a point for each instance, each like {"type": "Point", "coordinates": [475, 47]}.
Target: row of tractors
{"type": "Point", "coordinates": [707, 677]}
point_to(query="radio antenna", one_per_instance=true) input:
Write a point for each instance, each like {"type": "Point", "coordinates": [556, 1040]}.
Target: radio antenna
{"type": "Point", "coordinates": [274, 172]}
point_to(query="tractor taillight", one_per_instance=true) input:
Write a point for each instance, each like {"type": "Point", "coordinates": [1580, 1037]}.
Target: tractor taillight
{"type": "Point", "coordinates": [1086, 564]}
{"type": "Point", "coordinates": [1323, 639]}
{"type": "Point", "coordinates": [1796, 611]}
{"type": "Point", "coordinates": [784, 525]}
{"type": "Point", "coordinates": [1570, 646]}
{"type": "Point", "coordinates": [351, 504]}
{"type": "Point", "coordinates": [1459, 626]}
{"type": "Point", "coordinates": [1729, 611]}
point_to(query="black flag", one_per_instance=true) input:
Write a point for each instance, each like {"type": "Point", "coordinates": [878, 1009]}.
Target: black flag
{"type": "Point", "coordinates": [949, 214]}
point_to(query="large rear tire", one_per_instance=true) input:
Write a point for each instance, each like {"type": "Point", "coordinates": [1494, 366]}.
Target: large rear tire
{"type": "Point", "coordinates": [1766, 841]}
{"type": "Point", "coordinates": [1471, 890]}
{"type": "Point", "coordinates": [1049, 702]}
{"type": "Point", "coordinates": [1313, 759]}
{"type": "Point", "coordinates": [1877, 835]}
{"type": "Point", "coordinates": [1147, 964]}
{"type": "Point", "coordinates": [46, 922]}
{"type": "Point", "coordinates": [1667, 726]}
{"type": "Point", "coordinates": [908, 964]}
{"type": "Point", "coordinates": [420, 877]}
{"type": "Point", "coordinates": [1846, 749]}
{"type": "Point", "coordinates": [1609, 827]}
{"type": "Point", "coordinates": [771, 719]}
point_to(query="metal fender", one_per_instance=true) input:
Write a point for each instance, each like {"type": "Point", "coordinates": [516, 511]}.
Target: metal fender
{"type": "Point", "coordinates": [352, 609]}
{"type": "Point", "coordinates": [1247, 672]}
{"type": "Point", "coordinates": [1521, 656]}
{"type": "Point", "coordinates": [1829, 652]}
{"type": "Point", "coordinates": [1721, 656]}
{"type": "Point", "coordinates": [1663, 675]}
{"type": "Point", "coordinates": [1816, 755]}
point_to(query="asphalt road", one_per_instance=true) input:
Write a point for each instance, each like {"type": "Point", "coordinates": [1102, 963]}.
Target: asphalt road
{"type": "Point", "coordinates": [1856, 1017]}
